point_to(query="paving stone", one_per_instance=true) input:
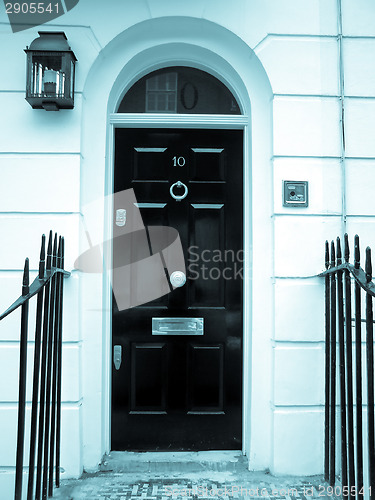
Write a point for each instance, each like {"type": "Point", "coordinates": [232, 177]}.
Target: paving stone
{"type": "Point", "coordinates": [176, 480]}
{"type": "Point", "coordinates": [167, 490]}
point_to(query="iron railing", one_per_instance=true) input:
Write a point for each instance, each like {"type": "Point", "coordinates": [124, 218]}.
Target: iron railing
{"type": "Point", "coordinates": [45, 425]}
{"type": "Point", "coordinates": [356, 463]}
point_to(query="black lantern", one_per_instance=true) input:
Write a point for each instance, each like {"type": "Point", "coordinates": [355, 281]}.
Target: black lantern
{"type": "Point", "coordinates": [50, 72]}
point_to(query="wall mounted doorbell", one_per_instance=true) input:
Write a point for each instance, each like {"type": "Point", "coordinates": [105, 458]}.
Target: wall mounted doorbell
{"type": "Point", "coordinates": [295, 193]}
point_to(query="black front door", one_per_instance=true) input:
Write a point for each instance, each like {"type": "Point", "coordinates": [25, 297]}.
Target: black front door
{"type": "Point", "coordinates": [183, 392]}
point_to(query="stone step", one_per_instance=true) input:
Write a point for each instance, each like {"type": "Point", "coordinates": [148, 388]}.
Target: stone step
{"type": "Point", "coordinates": [164, 462]}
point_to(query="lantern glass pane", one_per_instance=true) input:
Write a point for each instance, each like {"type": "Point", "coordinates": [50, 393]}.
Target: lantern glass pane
{"type": "Point", "coordinates": [48, 78]}
{"type": "Point", "coordinates": [71, 77]}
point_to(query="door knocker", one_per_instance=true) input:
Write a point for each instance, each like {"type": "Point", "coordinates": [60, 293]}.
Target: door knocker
{"type": "Point", "coordinates": [176, 196]}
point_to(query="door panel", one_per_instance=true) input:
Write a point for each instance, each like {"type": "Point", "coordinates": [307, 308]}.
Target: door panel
{"type": "Point", "coordinates": [148, 393]}
{"type": "Point", "coordinates": [208, 165]}
{"type": "Point", "coordinates": [205, 378]}
{"type": "Point", "coordinates": [183, 391]}
{"type": "Point", "coordinates": [207, 224]}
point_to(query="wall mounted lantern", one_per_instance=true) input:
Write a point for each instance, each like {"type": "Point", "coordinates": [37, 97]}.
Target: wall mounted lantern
{"type": "Point", "coordinates": [50, 72]}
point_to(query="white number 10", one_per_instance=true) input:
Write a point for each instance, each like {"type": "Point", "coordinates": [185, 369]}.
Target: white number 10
{"type": "Point", "coordinates": [180, 161]}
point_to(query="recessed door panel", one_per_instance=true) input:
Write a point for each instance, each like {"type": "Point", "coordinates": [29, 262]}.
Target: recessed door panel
{"type": "Point", "coordinates": [146, 164]}
{"type": "Point", "coordinates": [208, 165]}
{"type": "Point", "coordinates": [207, 238]}
{"type": "Point", "coordinates": [148, 393]}
{"type": "Point", "coordinates": [205, 378]}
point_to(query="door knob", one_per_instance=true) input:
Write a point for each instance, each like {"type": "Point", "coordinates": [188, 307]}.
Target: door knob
{"type": "Point", "coordinates": [177, 279]}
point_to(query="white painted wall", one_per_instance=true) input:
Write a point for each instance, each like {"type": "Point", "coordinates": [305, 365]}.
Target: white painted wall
{"type": "Point", "coordinates": [290, 43]}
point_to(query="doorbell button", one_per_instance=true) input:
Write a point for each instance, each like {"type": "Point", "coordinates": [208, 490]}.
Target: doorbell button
{"type": "Point", "coordinates": [178, 279]}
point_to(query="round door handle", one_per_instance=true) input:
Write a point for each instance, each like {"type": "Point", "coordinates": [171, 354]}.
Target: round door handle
{"type": "Point", "coordinates": [177, 279]}
{"type": "Point", "coordinates": [179, 197]}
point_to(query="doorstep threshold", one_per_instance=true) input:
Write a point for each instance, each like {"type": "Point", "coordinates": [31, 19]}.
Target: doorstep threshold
{"type": "Point", "coordinates": [128, 461]}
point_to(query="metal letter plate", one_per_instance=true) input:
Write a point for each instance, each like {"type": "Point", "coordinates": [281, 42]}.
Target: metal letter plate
{"type": "Point", "coordinates": [177, 326]}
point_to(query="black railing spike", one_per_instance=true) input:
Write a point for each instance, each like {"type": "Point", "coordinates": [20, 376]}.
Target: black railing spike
{"type": "Point", "coordinates": [346, 247]}
{"type": "Point", "coordinates": [59, 374]}
{"type": "Point", "coordinates": [49, 252]}
{"type": "Point", "coordinates": [333, 258]}
{"type": "Point", "coordinates": [327, 255]}
{"type": "Point", "coordinates": [59, 253]}
{"type": "Point", "coordinates": [342, 371]}
{"type": "Point", "coordinates": [43, 248]}
{"type": "Point", "coordinates": [348, 339]}
{"type": "Point", "coordinates": [339, 254]}
{"type": "Point", "coordinates": [62, 252]}
{"type": "Point", "coordinates": [368, 265]}
{"type": "Point", "coordinates": [42, 260]}
{"type": "Point", "coordinates": [357, 253]}
{"type": "Point", "coordinates": [22, 384]}
{"type": "Point", "coordinates": [26, 278]}
{"type": "Point", "coordinates": [327, 367]}
{"type": "Point", "coordinates": [54, 251]}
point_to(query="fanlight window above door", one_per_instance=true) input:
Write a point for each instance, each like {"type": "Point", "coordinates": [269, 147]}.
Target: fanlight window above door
{"type": "Point", "coordinates": [179, 89]}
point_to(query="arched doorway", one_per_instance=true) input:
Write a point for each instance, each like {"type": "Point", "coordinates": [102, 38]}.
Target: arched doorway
{"type": "Point", "coordinates": [145, 47]}
{"type": "Point", "coordinates": [178, 385]}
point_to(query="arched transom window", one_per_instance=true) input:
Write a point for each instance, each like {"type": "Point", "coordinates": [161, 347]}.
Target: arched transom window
{"type": "Point", "coordinates": [179, 89]}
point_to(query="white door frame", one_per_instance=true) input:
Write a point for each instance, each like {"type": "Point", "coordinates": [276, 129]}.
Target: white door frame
{"type": "Point", "coordinates": [148, 120]}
